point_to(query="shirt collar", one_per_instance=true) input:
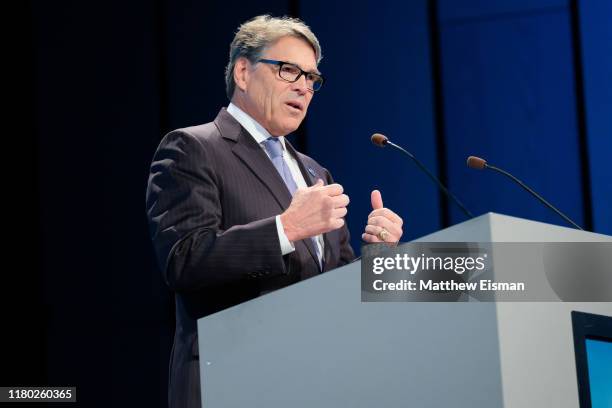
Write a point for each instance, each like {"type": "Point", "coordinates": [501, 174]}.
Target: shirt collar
{"type": "Point", "coordinates": [258, 132]}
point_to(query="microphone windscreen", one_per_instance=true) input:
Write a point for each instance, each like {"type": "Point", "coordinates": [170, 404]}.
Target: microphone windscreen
{"type": "Point", "coordinates": [379, 140]}
{"type": "Point", "coordinates": [476, 162]}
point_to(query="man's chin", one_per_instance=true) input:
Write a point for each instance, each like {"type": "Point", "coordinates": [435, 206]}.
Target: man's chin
{"type": "Point", "coordinates": [287, 128]}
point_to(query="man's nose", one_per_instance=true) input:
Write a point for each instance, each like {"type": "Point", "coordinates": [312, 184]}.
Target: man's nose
{"type": "Point", "coordinates": [300, 85]}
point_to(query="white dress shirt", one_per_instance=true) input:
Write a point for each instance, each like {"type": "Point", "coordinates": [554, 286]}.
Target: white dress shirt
{"type": "Point", "coordinates": [260, 135]}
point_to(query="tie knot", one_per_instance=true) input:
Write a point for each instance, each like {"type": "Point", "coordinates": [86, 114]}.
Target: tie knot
{"type": "Point", "coordinates": [273, 147]}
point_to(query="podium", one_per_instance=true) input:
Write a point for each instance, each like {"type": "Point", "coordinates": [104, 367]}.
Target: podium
{"type": "Point", "coordinates": [315, 344]}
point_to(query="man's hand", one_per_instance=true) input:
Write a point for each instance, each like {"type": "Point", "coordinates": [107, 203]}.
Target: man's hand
{"type": "Point", "coordinates": [380, 220]}
{"type": "Point", "coordinates": [315, 210]}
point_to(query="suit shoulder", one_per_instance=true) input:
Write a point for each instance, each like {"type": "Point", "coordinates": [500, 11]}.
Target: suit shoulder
{"type": "Point", "coordinates": [201, 135]}
{"type": "Point", "coordinates": [205, 133]}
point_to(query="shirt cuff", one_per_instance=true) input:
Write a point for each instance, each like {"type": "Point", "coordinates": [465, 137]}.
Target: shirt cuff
{"type": "Point", "coordinates": [286, 246]}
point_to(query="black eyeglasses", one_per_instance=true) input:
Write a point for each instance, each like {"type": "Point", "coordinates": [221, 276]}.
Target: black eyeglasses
{"type": "Point", "coordinates": [291, 73]}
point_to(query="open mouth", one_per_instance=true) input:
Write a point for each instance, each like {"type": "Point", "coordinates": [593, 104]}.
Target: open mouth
{"type": "Point", "coordinates": [295, 105]}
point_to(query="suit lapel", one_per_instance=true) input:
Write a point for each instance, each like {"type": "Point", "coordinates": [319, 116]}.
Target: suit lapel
{"type": "Point", "coordinates": [309, 174]}
{"type": "Point", "coordinates": [253, 156]}
{"type": "Point", "coordinates": [256, 159]}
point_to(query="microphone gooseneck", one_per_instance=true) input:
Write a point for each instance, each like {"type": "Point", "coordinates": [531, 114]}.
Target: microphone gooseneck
{"type": "Point", "coordinates": [480, 164]}
{"type": "Point", "coordinates": [382, 141]}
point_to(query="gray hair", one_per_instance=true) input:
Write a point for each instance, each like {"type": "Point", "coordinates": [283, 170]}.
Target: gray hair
{"type": "Point", "coordinates": [254, 36]}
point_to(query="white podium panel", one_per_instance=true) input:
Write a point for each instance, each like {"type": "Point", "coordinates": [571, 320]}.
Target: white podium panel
{"type": "Point", "coordinates": [315, 344]}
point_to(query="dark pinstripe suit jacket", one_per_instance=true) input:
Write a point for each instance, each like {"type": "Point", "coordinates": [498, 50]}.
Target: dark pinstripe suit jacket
{"type": "Point", "coordinates": [212, 198]}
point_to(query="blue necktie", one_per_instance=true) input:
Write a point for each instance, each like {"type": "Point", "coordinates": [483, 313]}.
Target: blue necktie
{"type": "Point", "coordinates": [275, 150]}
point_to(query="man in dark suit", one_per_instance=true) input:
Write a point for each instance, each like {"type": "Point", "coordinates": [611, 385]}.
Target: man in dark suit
{"type": "Point", "coordinates": [234, 210]}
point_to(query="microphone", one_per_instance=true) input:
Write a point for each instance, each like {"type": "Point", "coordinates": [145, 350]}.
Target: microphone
{"type": "Point", "coordinates": [480, 164]}
{"type": "Point", "coordinates": [382, 141]}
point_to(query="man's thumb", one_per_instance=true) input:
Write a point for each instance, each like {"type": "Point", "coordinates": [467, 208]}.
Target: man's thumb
{"type": "Point", "coordinates": [377, 201]}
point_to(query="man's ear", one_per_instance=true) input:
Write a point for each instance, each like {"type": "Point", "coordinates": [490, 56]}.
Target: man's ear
{"type": "Point", "coordinates": [241, 73]}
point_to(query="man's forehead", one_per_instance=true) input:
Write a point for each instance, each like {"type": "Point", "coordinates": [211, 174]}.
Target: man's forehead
{"type": "Point", "coordinates": [294, 50]}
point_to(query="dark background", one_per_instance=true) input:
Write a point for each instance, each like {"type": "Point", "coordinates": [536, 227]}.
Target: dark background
{"type": "Point", "coordinates": [94, 85]}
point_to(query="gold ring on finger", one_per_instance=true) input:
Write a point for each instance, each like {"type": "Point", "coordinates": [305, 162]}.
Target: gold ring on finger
{"type": "Point", "coordinates": [383, 234]}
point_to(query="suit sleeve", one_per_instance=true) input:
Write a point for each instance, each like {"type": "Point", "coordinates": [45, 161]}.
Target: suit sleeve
{"type": "Point", "coordinates": [184, 213]}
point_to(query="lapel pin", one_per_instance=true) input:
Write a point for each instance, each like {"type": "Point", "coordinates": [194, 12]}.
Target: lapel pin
{"type": "Point", "coordinates": [312, 172]}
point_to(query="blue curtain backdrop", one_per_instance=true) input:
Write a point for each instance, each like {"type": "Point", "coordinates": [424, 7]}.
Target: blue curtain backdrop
{"type": "Point", "coordinates": [504, 80]}
{"type": "Point", "coordinates": [377, 58]}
